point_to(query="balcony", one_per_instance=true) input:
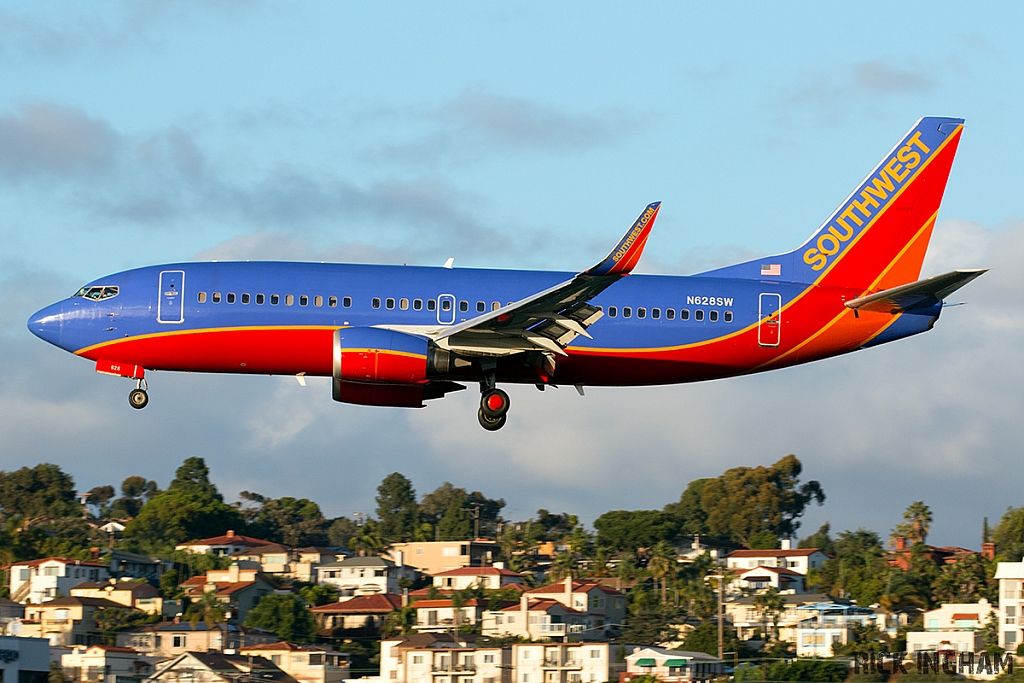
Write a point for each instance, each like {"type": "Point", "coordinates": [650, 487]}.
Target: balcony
{"type": "Point", "coordinates": [453, 668]}
{"type": "Point", "coordinates": [564, 664]}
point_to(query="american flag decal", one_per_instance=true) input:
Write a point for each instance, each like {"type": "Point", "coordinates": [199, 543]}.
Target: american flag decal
{"type": "Point", "coordinates": [771, 269]}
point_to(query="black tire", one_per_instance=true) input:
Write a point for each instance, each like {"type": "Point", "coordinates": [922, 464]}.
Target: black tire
{"type": "Point", "coordinates": [493, 396]}
{"type": "Point", "coordinates": [138, 399]}
{"type": "Point", "coordinates": [491, 424]}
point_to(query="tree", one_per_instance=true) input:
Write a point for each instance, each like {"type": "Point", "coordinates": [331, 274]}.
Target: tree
{"type": "Point", "coordinates": [286, 616]}
{"type": "Point", "coordinates": [99, 496]}
{"type": "Point", "coordinates": [112, 620]}
{"type": "Point", "coordinates": [397, 510]}
{"type": "Point", "coordinates": [1009, 535]}
{"type": "Point", "coordinates": [207, 609]}
{"type": "Point", "coordinates": [37, 493]}
{"type": "Point", "coordinates": [771, 605]}
{"type": "Point", "coordinates": [368, 541]}
{"type": "Point", "coordinates": [456, 524]}
{"type": "Point", "coordinates": [135, 491]}
{"type": "Point", "coordinates": [820, 539]}
{"type": "Point", "coordinates": [633, 529]}
{"type": "Point", "coordinates": [651, 625]}
{"type": "Point", "coordinates": [858, 569]}
{"type": "Point", "coordinates": [688, 515]}
{"type": "Point", "coordinates": [662, 566]}
{"type": "Point", "coordinates": [917, 522]}
{"type": "Point", "coordinates": [763, 540]}
{"type": "Point", "coordinates": [435, 504]}
{"type": "Point", "coordinates": [320, 594]}
{"type": "Point", "coordinates": [401, 622]}
{"type": "Point", "coordinates": [704, 638]}
{"type": "Point", "coordinates": [190, 508]}
{"type": "Point", "coordinates": [341, 532]}
{"type": "Point", "coordinates": [292, 521]}
{"type": "Point", "coordinates": [964, 581]}
{"type": "Point", "coordinates": [746, 500]}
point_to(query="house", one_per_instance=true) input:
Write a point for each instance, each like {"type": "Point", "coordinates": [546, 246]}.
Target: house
{"type": "Point", "coordinates": [171, 638]}
{"type": "Point", "coordinates": [125, 564]}
{"type": "Point", "coordinates": [300, 564]}
{"type": "Point", "coordinates": [583, 662]}
{"type": "Point", "coordinates": [365, 612]}
{"type": "Point", "coordinates": [904, 551]}
{"type": "Point", "coordinates": [434, 557]}
{"type": "Point", "coordinates": [218, 667]}
{"type": "Point", "coordinates": [24, 660]}
{"type": "Point", "coordinates": [491, 578]}
{"type": "Point", "coordinates": [443, 615]}
{"type": "Point", "coordinates": [67, 621]}
{"type": "Point", "coordinates": [750, 620]}
{"type": "Point", "coordinates": [536, 619]}
{"type": "Point", "coordinates": [35, 581]}
{"type": "Point", "coordinates": [364, 575]}
{"type": "Point", "coordinates": [443, 658]}
{"type": "Point", "coordinates": [945, 641]}
{"type": "Point", "coordinates": [240, 588]}
{"type": "Point", "coordinates": [671, 666]}
{"type": "Point", "coordinates": [762, 578]}
{"type": "Point", "coordinates": [588, 596]}
{"type": "Point", "coordinates": [97, 663]}
{"type": "Point", "coordinates": [692, 548]}
{"type": "Point", "coordinates": [10, 611]}
{"type": "Point", "coordinates": [132, 593]}
{"type": "Point", "coordinates": [227, 545]}
{"type": "Point", "coordinates": [304, 663]}
{"type": "Point", "coordinates": [1011, 603]}
{"type": "Point", "coordinates": [955, 627]}
{"type": "Point", "coordinates": [825, 624]}
{"type": "Point", "coordinates": [798, 560]}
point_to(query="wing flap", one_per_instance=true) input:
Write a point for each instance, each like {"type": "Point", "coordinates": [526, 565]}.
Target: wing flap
{"type": "Point", "coordinates": [920, 294]}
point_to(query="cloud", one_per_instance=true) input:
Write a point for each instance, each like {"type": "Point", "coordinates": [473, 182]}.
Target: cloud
{"type": "Point", "coordinates": [881, 76]}
{"type": "Point", "coordinates": [45, 139]}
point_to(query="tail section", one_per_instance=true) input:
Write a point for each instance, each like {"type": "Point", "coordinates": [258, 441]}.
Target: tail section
{"type": "Point", "coordinates": [878, 236]}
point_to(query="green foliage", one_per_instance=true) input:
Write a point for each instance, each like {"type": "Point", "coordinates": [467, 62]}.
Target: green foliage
{"type": "Point", "coordinates": [401, 622]}
{"type": "Point", "coordinates": [186, 565]}
{"type": "Point", "coordinates": [286, 616]}
{"type": "Point", "coordinates": [650, 625]}
{"type": "Point", "coordinates": [397, 511]}
{"type": "Point", "coordinates": [917, 522]}
{"type": "Point", "coordinates": [41, 492]}
{"type": "Point", "coordinates": [292, 521]}
{"type": "Point", "coordinates": [804, 669]}
{"type": "Point", "coordinates": [368, 540]}
{"type": "Point", "coordinates": [859, 569]}
{"type": "Point", "coordinates": [747, 500]}
{"type": "Point", "coordinates": [763, 540]}
{"type": "Point", "coordinates": [966, 581]}
{"type": "Point", "coordinates": [341, 532]}
{"type": "Point", "coordinates": [56, 674]}
{"type": "Point", "coordinates": [189, 509]}
{"type": "Point", "coordinates": [435, 505]}
{"type": "Point", "coordinates": [1009, 535]}
{"type": "Point", "coordinates": [135, 491]}
{"type": "Point", "coordinates": [319, 594]}
{"type": "Point", "coordinates": [704, 638]}
{"type": "Point", "coordinates": [621, 530]}
{"type": "Point", "coordinates": [207, 609]}
{"type": "Point", "coordinates": [456, 524]}
{"type": "Point", "coordinates": [820, 539]}
{"type": "Point", "coordinates": [112, 620]}
{"type": "Point", "coordinates": [99, 496]}
{"type": "Point", "coordinates": [688, 515]}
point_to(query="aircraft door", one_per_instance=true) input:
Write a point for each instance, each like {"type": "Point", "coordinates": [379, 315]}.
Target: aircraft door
{"type": "Point", "coordinates": [769, 319]}
{"type": "Point", "coordinates": [170, 306]}
{"type": "Point", "coordinates": [446, 309]}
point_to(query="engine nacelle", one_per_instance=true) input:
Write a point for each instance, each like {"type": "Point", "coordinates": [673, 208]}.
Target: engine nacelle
{"type": "Point", "coordinates": [374, 366]}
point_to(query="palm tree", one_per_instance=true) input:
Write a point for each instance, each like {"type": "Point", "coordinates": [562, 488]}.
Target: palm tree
{"type": "Point", "coordinates": [369, 541]}
{"type": "Point", "coordinates": [919, 518]}
{"type": "Point", "coordinates": [400, 622]}
{"type": "Point", "coordinates": [207, 609]}
{"type": "Point", "coordinates": [772, 605]}
{"type": "Point", "coordinates": [564, 566]}
{"type": "Point", "coordinates": [661, 566]}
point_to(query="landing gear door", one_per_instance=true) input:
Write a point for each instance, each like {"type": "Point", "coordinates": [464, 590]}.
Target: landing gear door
{"type": "Point", "coordinates": [769, 319]}
{"type": "Point", "coordinates": [170, 307]}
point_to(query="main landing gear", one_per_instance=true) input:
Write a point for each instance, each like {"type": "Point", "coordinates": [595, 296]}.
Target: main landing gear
{"type": "Point", "coordinates": [494, 404]}
{"type": "Point", "coordinates": [138, 398]}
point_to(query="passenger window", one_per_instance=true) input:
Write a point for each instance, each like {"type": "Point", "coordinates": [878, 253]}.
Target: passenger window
{"type": "Point", "coordinates": [389, 303]}
{"type": "Point", "coordinates": [495, 305]}
{"type": "Point", "coordinates": [303, 300]}
{"type": "Point", "coordinates": [728, 316]}
{"type": "Point", "coordinates": [481, 306]}
{"type": "Point", "coordinates": [289, 299]}
{"type": "Point", "coordinates": [216, 297]}
{"type": "Point", "coordinates": [684, 314]}
{"type": "Point", "coordinates": [641, 312]}
{"type": "Point", "coordinates": [446, 305]}
{"type": "Point", "coordinates": [417, 304]}
{"type": "Point", "coordinates": [245, 298]}
{"type": "Point", "coordinates": [627, 312]}
{"type": "Point", "coordinates": [347, 302]}
{"type": "Point", "coordinates": [670, 313]}
{"type": "Point", "coordinates": [403, 304]}
{"type": "Point", "coordinates": [375, 302]}
{"type": "Point", "coordinates": [713, 316]}
{"type": "Point", "coordinates": [231, 297]}
{"type": "Point", "coordinates": [275, 299]}
{"type": "Point", "coordinates": [655, 313]}
{"type": "Point", "coordinates": [463, 306]}
{"type": "Point", "coordinates": [318, 301]}
{"type": "Point", "coordinates": [260, 299]}
{"type": "Point", "coordinates": [332, 301]}
{"type": "Point", "coordinates": [612, 311]}
{"type": "Point", "coordinates": [698, 314]}
{"type": "Point", "coordinates": [431, 304]}
{"type": "Point", "coordinates": [202, 297]}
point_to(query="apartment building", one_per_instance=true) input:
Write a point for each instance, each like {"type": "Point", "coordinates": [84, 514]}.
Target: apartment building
{"type": "Point", "coordinates": [1011, 603]}
{"type": "Point", "coordinates": [172, 638]}
{"type": "Point", "coordinates": [799, 560]}
{"type": "Point", "coordinates": [36, 581]}
{"type": "Point", "coordinates": [491, 578]}
{"type": "Point", "coordinates": [304, 663]}
{"type": "Point", "coordinates": [585, 662]}
{"type": "Point", "coordinates": [443, 658]}
{"type": "Point", "coordinates": [434, 557]}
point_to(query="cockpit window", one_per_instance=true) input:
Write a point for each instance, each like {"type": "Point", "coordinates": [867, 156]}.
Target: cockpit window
{"type": "Point", "coordinates": [97, 293]}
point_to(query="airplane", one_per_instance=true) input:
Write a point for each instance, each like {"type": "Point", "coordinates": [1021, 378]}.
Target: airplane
{"type": "Point", "coordinates": [402, 335]}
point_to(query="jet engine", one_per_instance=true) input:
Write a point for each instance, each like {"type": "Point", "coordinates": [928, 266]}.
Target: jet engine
{"type": "Point", "coordinates": [380, 367]}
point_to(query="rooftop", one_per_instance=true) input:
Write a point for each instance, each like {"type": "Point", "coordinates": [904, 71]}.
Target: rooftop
{"type": "Point", "coordinates": [776, 552]}
{"type": "Point", "coordinates": [479, 571]}
{"type": "Point", "coordinates": [381, 603]}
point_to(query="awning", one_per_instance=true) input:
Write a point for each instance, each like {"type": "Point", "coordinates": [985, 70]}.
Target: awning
{"type": "Point", "coordinates": [646, 661]}
{"type": "Point", "coordinates": [676, 662]}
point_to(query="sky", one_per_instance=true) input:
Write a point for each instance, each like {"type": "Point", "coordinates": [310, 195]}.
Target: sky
{"type": "Point", "coordinates": [519, 135]}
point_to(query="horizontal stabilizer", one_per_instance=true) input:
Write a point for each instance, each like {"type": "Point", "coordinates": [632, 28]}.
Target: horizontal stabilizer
{"type": "Point", "coordinates": [920, 294]}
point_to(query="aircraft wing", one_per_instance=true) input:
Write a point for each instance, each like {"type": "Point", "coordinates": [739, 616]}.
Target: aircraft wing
{"type": "Point", "coordinates": [922, 293]}
{"type": "Point", "coordinates": [550, 320]}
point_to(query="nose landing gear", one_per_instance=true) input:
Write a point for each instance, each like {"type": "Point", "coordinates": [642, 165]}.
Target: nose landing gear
{"type": "Point", "coordinates": [138, 398]}
{"type": "Point", "coordinates": [494, 405]}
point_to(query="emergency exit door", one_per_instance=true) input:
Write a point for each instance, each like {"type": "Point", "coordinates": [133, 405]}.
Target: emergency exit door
{"type": "Point", "coordinates": [170, 307]}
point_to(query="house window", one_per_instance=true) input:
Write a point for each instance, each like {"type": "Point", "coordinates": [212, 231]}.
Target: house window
{"type": "Point", "coordinates": [1011, 638]}
{"type": "Point", "coordinates": [179, 641]}
{"type": "Point", "coordinates": [510, 619]}
{"type": "Point", "coordinates": [275, 659]}
{"type": "Point", "coordinates": [488, 659]}
{"type": "Point", "coordinates": [24, 574]}
{"type": "Point", "coordinates": [51, 571]}
{"type": "Point", "coordinates": [417, 659]}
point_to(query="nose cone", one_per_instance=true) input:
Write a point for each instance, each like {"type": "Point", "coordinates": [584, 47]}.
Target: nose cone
{"type": "Point", "coordinates": [47, 323]}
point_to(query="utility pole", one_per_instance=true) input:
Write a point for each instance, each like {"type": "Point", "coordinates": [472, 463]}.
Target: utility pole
{"type": "Point", "coordinates": [721, 619]}
{"type": "Point", "coordinates": [476, 520]}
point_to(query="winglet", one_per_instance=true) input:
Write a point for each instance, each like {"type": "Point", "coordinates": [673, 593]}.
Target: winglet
{"type": "Point", "coordinates": [626, 253]}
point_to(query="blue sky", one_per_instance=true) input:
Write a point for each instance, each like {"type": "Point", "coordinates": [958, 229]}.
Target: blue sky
{"type": "Point", "coordinates": [527, 135]}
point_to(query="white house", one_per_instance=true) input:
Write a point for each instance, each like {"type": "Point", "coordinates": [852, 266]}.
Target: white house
{"type": "Point", "coordinates": [825, 624]}
{"type": "Point", "coordinates": [98, 662]}
{"type": "Point", "coordinates": [364, 576]}
{"type": "Point", "coordinates": [761, 578]}
{"type": "Point", "coordinates": [581, 662]}
{"type": "Point", "coordinates": [484, 577]}
{"type": "Point", "coordinates": [1011, 601]}
{"type": "Point", "coordinates": [797, 559]}
{"type": "Point", "coordinates": [36, 581]}
{"type": "Point", "coordinates": [228, 544]}
{"type": "Point", "coordinates": [671, 666]}
{"type": "Point", "coordinates": [442, 657]}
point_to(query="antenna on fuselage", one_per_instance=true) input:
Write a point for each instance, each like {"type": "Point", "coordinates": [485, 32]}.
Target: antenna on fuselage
{"type": "Point", "coordinates": [448, 264]}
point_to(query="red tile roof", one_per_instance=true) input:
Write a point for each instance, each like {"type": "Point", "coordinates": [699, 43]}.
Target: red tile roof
{"type": "Point", "coordinates": [424, 592]}
{"type": "Point", "coordinates": [776, 570]}
{"type": "Point", "coordinates": [478, 571]}
{"type": "Point", "coordinates": [538, 605]}
{"type": "Point", "coordinates": [424, 604]}
{"type": "Point", "coordinates": [965, 617]}
{"type": "Point", "coordinates": [381, 603]}
{"type": "Point", "coordinates": [233, 539]}
{"type": "Point", "coordinates": [578, 586]}
{"type": "Point", "coordinates": [63, 560]}
{"type": "Point", "coordinates": [795, 552]}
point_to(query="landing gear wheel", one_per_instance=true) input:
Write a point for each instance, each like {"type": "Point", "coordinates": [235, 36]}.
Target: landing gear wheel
{"type": "Point", "coordinates": [138, 399]}
{"type": "Point", "coordinates": [494, 403]}
{"type": "Point", "coordinates": [491, 424]}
